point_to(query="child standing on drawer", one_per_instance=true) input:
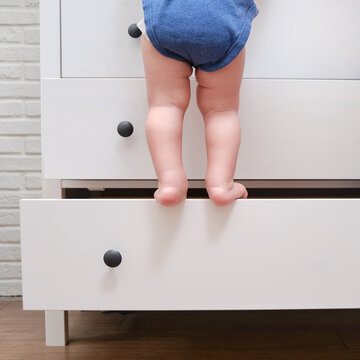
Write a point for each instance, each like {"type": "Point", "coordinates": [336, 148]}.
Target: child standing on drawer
{"type": "Point", "coordinates": [209, 35]}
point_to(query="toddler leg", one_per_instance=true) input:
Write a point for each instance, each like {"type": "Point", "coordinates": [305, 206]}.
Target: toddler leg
{"type": "Point", "coordinates": [168, 93]}
{"type": "Point", "coordinates": [217, 95]}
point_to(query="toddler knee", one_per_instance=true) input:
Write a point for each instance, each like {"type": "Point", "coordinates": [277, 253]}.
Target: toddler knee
{"type": "Point", "coordinates": [181, 101]}
{"type": "Point", "coordinates": [209, 102]}
{"type": "Point", "coordinates": [203, 101]}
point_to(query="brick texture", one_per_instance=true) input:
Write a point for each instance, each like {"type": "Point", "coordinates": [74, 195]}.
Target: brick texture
{"type": "Point", "coordinates": [20, 143]}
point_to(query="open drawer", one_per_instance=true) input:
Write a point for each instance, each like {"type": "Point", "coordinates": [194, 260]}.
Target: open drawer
{"type": "Point", "coordinates": [252, 254]}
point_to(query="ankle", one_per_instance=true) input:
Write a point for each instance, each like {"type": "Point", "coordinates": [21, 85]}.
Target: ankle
{"type": "Point", "coordinates": [216, 184]}
{"type": "Point", "coordinates": [173, 179]}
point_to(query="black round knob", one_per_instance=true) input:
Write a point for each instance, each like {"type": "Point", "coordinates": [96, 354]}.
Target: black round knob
{"type": "Point", "coordinates": [112, 258]}
{"type": "Point", "coordinates": [125, 128]}
{"type": "Point", "coordinates": [134, 31]}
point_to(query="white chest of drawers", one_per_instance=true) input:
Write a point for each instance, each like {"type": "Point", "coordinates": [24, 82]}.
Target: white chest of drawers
{"type": "Point", "coordinates": [300, 116]}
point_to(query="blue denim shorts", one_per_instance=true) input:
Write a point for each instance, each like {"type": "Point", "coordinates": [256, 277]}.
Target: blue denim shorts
{"type": "Point", "coordinates": [208, 34]}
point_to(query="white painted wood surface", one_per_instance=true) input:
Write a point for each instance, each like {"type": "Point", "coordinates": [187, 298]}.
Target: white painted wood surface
{"type": "Point", "coordinates": [56, 327]}
{"type": "Point", "coordinates": [252, 254]}
{"type": "Point", "coordinates": [56, 321]}
{"type": "Point", "coordinates": [277, 184]}
{"type": "Point", "coordinates": [291, 129]}
{"type": "Point", "coordinates": [290, 39]}
{"type": "Point", "coordinates": [101, 45]}
{"type": "Point", "coordinates": [312, 39]}
{"type": "Point", "coordinates": [50, 58]}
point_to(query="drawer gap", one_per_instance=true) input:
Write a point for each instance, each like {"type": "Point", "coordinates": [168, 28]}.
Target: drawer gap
{"type": "Point", "coordinates": [193, 193]}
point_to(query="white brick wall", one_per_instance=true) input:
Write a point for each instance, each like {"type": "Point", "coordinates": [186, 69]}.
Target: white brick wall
{"type": "Point", "coordinates": [20, 145]}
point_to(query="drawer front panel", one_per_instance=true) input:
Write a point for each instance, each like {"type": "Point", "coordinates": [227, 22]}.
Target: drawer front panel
{"type": "Point", "coordinates": [290, 39]}
{"type": "Point", "coordinates": [291, 129]}
{"type": "Point", "coordinates": [95, 40]}
{"type": "Point", "coordinates": [253, 254]}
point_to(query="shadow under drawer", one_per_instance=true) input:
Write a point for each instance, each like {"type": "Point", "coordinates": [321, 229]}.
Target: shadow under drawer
{"type": "Point", "coordinates": [83, 193]}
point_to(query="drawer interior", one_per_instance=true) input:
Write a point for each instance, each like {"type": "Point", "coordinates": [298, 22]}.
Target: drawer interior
{"type": "Point", "coordinates": [194, 193]}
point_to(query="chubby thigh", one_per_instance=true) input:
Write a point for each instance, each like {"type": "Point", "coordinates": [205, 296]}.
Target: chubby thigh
{"type": "Point", "coordinates": [167, 79]}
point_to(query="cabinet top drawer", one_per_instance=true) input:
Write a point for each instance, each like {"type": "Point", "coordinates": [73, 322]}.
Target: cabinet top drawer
{"type": "Point", "coordinates": [290, 39]}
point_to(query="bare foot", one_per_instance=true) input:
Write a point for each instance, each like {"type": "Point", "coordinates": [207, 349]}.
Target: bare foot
{"type": "Point", "coordinates": [170, 195]}
{"type": "Point", "coordinates": [222, 196]}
